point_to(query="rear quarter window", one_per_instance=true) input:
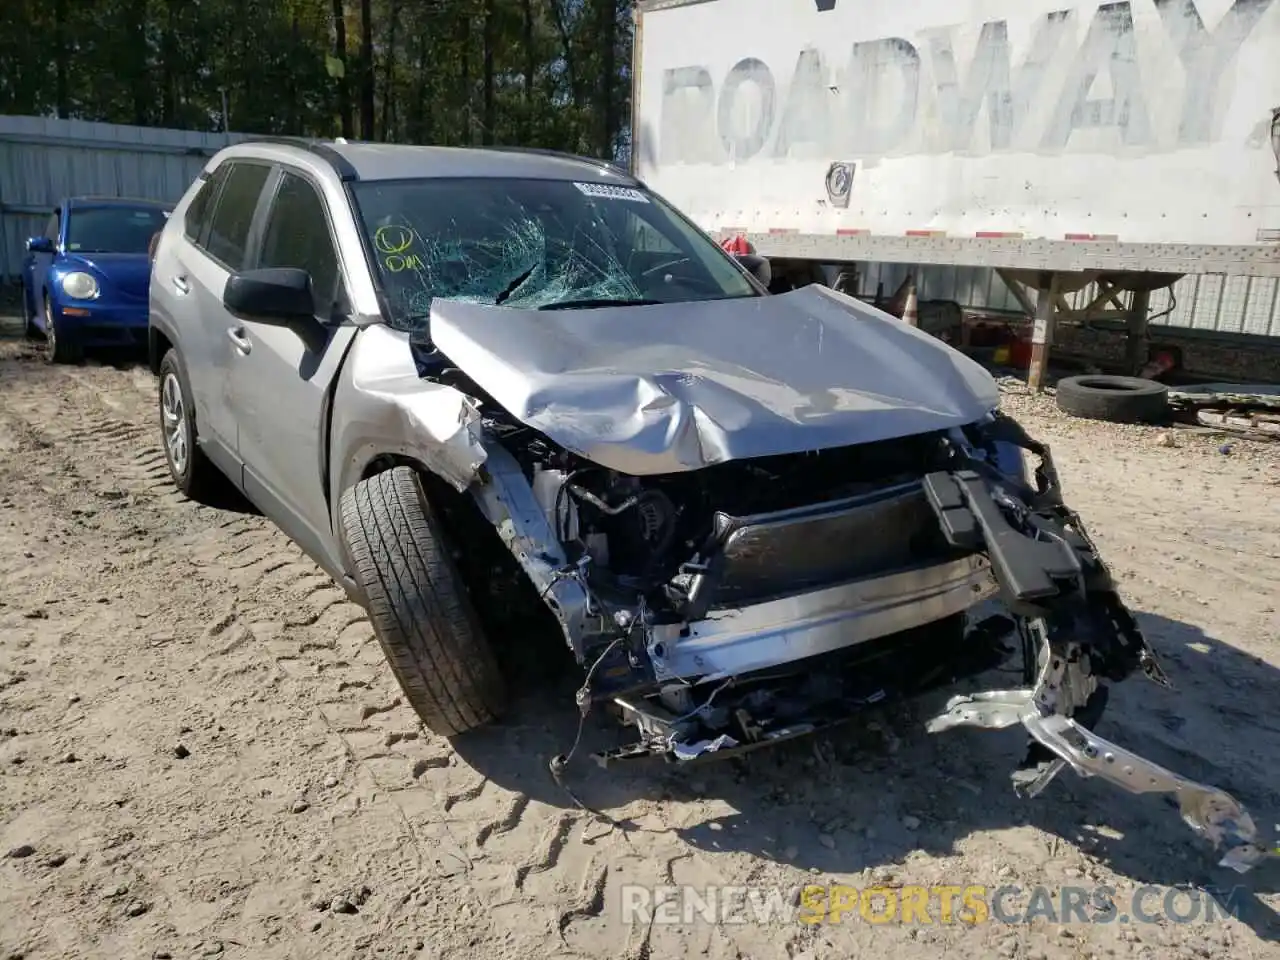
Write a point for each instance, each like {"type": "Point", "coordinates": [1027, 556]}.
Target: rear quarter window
{"type": "Point", "coordinates": [197, 213]}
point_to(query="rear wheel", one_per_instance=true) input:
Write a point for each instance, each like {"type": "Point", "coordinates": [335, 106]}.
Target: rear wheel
{"type": "Point", "coordinates": [419, 607]}
{"type": "Point", "coordinates": [60, 344]}
{"type": "Point", "coordinates": [191, 471]}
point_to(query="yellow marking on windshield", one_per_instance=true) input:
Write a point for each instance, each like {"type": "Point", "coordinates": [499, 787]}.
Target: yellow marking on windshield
{"type": "Point", "coordinates": [392, 238]}
{"type": "Point", "coordinates": [395, 262]}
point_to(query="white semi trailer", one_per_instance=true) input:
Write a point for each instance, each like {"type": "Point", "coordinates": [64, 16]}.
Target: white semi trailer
{"type": "Point", "coordinates": [1061, 142]}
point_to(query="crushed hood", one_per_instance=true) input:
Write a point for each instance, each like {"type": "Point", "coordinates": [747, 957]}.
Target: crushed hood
{"type": "Point", "coordinates": [675, 387]}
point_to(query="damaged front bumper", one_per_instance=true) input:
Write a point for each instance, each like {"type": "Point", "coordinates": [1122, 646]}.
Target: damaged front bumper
{"type": "Point", "coordinates": [739, 641]}
{"type": "Point", "coordinates": [1061, 593]}
{"type": "Point", "coordinates": [750, 676]}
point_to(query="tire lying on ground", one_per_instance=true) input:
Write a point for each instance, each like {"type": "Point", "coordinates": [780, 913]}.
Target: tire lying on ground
{"type": "Point", "coordinates": [418, 605]}
{"type": "Point", "coordinates": [1118, 399]}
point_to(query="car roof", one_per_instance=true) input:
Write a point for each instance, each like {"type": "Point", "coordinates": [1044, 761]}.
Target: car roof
{"type": "Point", "coordinates": [357, 160]}
{"type": "Point", "coordinates": [90, 201]}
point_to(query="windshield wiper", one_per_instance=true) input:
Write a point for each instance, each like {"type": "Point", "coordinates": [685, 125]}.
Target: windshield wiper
{"type": "Point", "coordinates": [598, 302]}
{"type": "Point", "coordinates": [514, 285]}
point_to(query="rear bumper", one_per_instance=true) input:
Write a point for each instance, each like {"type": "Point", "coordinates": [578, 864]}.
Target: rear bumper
{"type": "Point", "coordinates": [740, 640]}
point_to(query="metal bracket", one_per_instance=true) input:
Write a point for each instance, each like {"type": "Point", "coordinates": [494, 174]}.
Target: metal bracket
{"type": "Point", "coordinates": [990, 710]}
{"type": "Point", "coordinates": [1063, 686]}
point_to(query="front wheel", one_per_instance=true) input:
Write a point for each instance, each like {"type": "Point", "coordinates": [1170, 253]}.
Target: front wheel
{"type": "Point", "coordinates": [60, 344]}
{"type": "Point", "coordinates": [419, 607]}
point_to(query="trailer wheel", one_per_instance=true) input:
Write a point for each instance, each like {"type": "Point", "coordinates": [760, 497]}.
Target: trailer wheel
{"type": "Point", "coordinates": [418, 605]}
{"type": "Point", "coordinates": [1117, 399]}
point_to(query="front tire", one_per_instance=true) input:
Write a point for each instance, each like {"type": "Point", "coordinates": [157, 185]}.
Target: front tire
{"type": "Point", "coordinates": [418, 605]}
{"type": "Point", "coordinates": [60, 344]}
{"type": "Point", "coordinates": [192, 473]}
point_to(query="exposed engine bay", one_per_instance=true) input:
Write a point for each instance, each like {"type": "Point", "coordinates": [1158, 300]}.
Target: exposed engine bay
{"type": "Point", "coordinates": [723, 609]}
{"type": "Point", "coordinates": [659, 538]}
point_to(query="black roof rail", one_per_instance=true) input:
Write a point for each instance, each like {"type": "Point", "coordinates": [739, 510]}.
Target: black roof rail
{"type": "Point", "coordinates": [321, 148]}
{"type": "Point", "coordinates": [566, 155]}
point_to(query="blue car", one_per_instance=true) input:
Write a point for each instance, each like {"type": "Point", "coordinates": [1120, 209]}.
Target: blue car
{"type": "Point", "coordinates": [85, 279]}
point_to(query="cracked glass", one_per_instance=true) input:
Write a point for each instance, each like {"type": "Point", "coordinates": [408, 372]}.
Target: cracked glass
{"type": "Point", "coordinates": [535, 244]}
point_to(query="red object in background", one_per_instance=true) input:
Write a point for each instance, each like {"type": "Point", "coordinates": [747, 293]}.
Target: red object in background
{"type": "Point", "coordinates": [1160, 364]}
{"type": "Point", "coordinates": [738, 244]}
{"type": "Point", "coordinates": [1020, 352]}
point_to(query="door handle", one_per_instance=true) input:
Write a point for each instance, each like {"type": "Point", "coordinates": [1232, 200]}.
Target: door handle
{"type": "Point", "coordinates": [180, 284]}
{"type": "Point", "coordinates": [239, 340]}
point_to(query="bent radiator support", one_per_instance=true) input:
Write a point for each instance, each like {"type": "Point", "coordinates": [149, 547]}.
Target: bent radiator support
{"type": "Point", "coordinates": [1061, 593]}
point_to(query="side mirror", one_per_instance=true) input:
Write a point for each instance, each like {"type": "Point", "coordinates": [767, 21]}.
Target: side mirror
{"type": "Point", "coordinates": [757, 266]}
{"type": "Point", "coordinates": [39, 245]}
{"type": "Point", "coordinates": [280, 296]}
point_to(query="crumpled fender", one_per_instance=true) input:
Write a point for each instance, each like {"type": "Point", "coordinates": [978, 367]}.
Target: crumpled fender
{"type": "Point", "coordinates": [382, 406]}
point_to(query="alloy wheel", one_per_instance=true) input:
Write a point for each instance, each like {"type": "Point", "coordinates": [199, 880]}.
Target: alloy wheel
{"type": "Point", "coordinates": [174, 421]}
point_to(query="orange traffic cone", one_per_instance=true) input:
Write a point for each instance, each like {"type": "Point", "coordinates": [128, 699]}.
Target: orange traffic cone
{"type": "Point", "coordinates": [910, 313]}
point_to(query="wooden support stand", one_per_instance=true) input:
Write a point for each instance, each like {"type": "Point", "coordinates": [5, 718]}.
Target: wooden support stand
{"type": "Point", "coordinates": [1136, 344]}
{"type": "Point", "coordinates": [1042, 331]}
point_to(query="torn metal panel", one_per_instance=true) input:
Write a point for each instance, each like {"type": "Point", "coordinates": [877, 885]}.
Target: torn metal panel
{"type": "Point", "coordinates": [988, 709]}
{"type": "Point", "coordinates": [383, 407]}
{"type": "Point", "coordinates": [674, 387]}
{"type": "Point", "coordinates": [1063, 687]}
{"type": "Point", "coordinates": [508, 502]}
{"type": "Point", "coordinates": [688, 722]}
{"type": "Point", "coordinates": [691, 751]}
{"type": "Point", "coordinates": [1211, 812]}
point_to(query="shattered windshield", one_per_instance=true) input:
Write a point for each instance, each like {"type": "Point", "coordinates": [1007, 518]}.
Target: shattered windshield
{"type": "Point", "coordinates": [541, 244]}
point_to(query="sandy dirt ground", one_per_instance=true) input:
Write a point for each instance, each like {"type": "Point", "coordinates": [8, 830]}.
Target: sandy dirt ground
{"type": "Point", "coordinates": [202, 753]}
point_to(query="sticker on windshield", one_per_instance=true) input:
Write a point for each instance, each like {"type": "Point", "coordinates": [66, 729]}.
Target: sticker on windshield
{"type": "Point", "coordinates": [608, 190]}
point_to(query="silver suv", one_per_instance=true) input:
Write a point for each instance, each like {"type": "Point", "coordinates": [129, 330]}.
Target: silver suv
{"type": "Point", "coordinates": [490, 388]}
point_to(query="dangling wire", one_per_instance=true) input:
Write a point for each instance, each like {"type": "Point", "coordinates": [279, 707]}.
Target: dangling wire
{"type": "Point", "coordinates": [560, 762]}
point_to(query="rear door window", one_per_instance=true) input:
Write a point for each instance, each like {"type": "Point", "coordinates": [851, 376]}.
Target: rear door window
{"type": "Point", "coordinates": [233, 215]}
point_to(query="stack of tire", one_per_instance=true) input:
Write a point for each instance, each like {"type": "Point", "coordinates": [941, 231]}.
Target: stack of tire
{"type": "Point", "coordinates": [1116, 399]}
